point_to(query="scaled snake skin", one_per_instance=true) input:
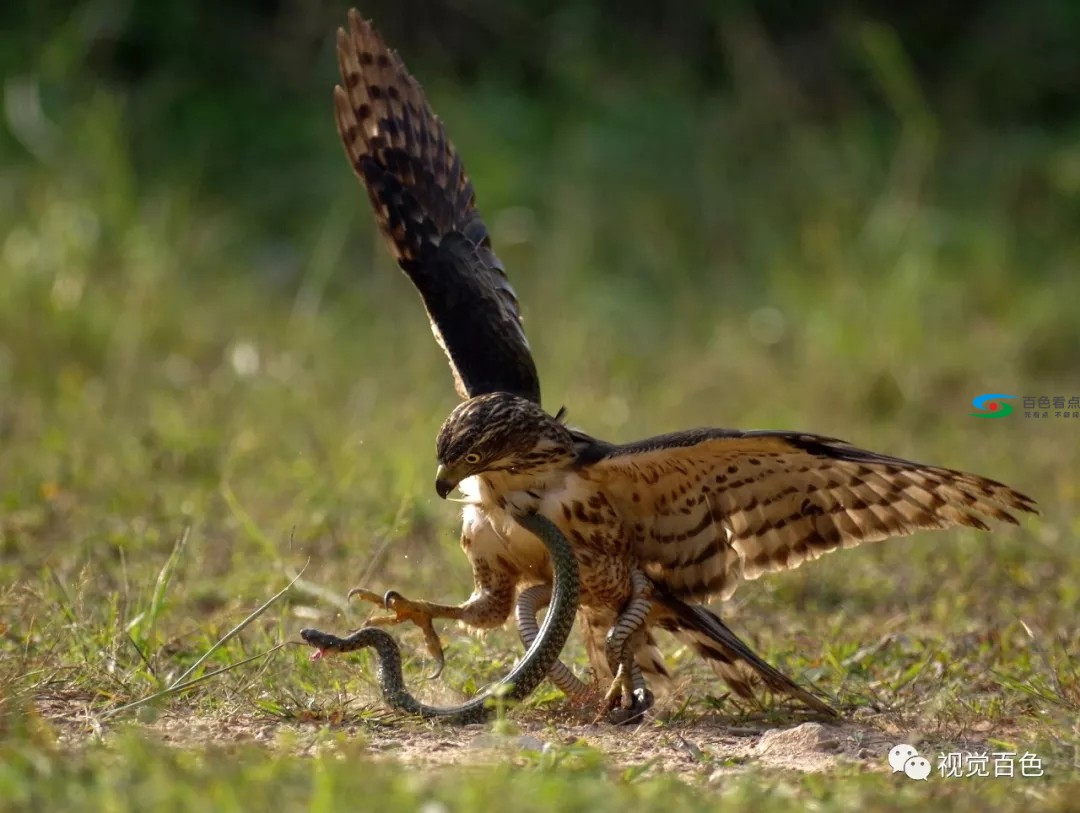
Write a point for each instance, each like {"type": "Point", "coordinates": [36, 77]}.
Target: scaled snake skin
{"type": "Point", "coordinates": [529, 672]}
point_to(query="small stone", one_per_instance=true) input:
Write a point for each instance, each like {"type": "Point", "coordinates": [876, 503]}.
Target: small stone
{"type": "Point", "coordinates": [527, 742]}
{"type": "Point", "coordinates": [808, 736]}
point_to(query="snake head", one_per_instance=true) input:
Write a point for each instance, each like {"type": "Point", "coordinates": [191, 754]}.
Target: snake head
{"type": "Point", "coordinates": [323, 642]}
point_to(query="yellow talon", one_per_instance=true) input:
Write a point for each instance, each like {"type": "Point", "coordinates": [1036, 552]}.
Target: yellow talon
{"type": "Point", "coordinates": [404, 609]}
{"type": "Point", "coordinates": [366, 595]}
{"type": "Point", "coordinates": [621, 692]}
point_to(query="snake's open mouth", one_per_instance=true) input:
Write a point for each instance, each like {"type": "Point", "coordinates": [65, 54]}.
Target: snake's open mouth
{"type": "Point", "coordinates": [324, 644]}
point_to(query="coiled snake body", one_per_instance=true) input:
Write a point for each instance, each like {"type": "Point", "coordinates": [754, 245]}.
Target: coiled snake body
{"type": "Point", "coordinates": [522, 679]}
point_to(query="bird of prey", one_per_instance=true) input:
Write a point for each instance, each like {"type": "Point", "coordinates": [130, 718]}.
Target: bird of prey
{"type": "Point", "coordinates": [656, 525]}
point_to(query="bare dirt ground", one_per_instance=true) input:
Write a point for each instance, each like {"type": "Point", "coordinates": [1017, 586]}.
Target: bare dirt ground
{"type": "Point", "coordinates": [694, 748]}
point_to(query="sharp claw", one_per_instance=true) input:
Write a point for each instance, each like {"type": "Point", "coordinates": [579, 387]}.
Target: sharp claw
{"type": "Point", "coordinates": [385, 601]}
{"type": "Point", "coordinates": [435, 650]}
{"type": "Point", "coordinates": [366, 595]}
{"type": "Point", "coordinates": [404, 610]}
{"type": "Point", "coordinates": [611, 699]}
{"type": "Point", "coordinates": [641, 701]}
{"type": "Point", "coordinates": [434, 644]}
{"type": "Point", "coordinates": [622, 702]}
{"type": "Point", "coordinates": [615, 697]}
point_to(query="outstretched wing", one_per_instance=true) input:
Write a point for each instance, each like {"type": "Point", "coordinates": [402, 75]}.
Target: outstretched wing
{"type": "Point", "coordinates": [425, 206]}
{"type": "Point", "coordinates": [710, 507]}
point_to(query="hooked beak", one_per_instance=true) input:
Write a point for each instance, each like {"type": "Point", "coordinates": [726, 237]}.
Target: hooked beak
{"type": "Point", "coordinates": [445, 482]}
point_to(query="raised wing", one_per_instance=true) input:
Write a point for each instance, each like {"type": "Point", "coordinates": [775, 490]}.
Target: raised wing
{"type": "Point", "coordinates": [425, 206]}
{"type": "Point", "coordinates": [711, 507]}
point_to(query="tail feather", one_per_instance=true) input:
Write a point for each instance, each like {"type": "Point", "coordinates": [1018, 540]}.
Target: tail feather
{"type": "Point", "coordinates": [730, 658]}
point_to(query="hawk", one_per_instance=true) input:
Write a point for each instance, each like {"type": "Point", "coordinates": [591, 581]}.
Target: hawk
{"type": "Point", "coordinates": [656, 525]}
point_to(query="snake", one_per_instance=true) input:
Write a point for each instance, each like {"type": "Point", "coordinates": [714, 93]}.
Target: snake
{"type": "Point", "coordinates": [527, 674]}
{"type": "Point", "coordinates": [526, 611]}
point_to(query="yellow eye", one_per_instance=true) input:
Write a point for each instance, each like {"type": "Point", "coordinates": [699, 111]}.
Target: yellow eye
{"type": "Point", "coordinates": [472, 458]}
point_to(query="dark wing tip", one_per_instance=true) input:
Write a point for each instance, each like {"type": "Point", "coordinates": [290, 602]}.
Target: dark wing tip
{"type": "Point", "coordinates": [993, 490]}
{"type": "Point", "coordinates": [1025, 503]}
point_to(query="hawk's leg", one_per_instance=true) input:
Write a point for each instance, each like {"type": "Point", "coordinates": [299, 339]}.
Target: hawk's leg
{"type": "Point", "coordinates": [421, 613]}
{"type": "Point", "coordinates": [629, 696]}
{"type": "Point", "coordinates": [528, 605]}
{"type": "Point", "coordinates": [641, 698]}
{"type": "Point", "coordinates": [489, 606]}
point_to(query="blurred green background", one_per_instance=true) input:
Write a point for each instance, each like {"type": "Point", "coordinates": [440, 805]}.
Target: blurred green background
{"type": "Point", "coordinates": [674, 167]}
{"type": "Point", "coordinates": [847, 218]}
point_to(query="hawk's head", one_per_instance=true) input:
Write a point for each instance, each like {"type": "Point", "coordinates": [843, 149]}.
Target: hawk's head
{"type": "Point", "coordinates": [498, 432]}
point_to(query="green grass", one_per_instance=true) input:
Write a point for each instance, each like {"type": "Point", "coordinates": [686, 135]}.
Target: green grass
{"type": "Point", "coordinates": [131, 774]}
{"type": "Point", "coordinates": [169, 371]}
